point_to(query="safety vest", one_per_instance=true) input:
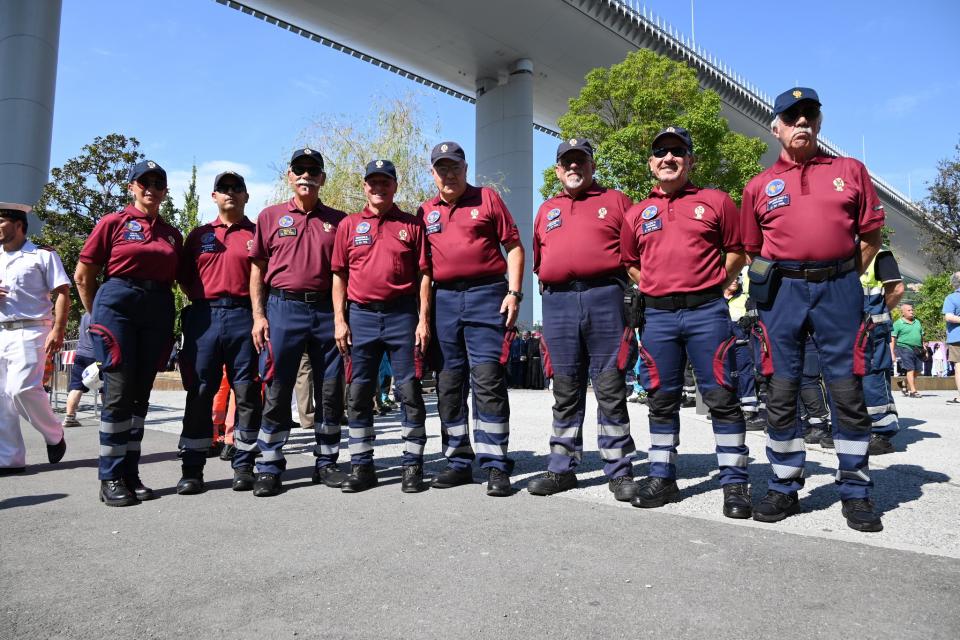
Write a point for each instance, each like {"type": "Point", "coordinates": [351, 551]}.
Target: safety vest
{"type": "Point", "coordinates": [738, 303]}
{"type": "Point", "coordinates": [874, 302]}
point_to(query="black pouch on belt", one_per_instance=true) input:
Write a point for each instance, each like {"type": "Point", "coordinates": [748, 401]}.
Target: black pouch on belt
{"type": "Point", "coordinates": [633, 308]}
{"type": "Point", "coordinates": [764, 281]}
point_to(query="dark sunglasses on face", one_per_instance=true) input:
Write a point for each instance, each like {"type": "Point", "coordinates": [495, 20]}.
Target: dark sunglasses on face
{"type": "Point", "coordinates": [155, 183]}
{"type": "Point", "coordinates": [312, 170]}
{"type": "Point", "coordinates": [809, 111]}
{"type": "Point", "coordinates": [227, 188]}
{"type": "Point", "coordinates": [676, 152]}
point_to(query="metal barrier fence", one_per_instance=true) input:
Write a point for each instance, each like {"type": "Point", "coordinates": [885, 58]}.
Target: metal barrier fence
{"type": "Point", "coordinates": [60, 380]}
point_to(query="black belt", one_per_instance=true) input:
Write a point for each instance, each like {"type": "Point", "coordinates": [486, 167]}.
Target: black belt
{"type": "Point", "coordinates": [820, 274]}
{"type": "Point", "coordinates": [310, 297]}
{"type": "Point", "coordinates": [683, 300]}
{"type": "Point", "coordinates": [146, 285]}
{"type": "Point", "coordinates": [226, 302]}
{"type": "Point", "coordinates": [463, 285]}
{"type": "Point", "coordinates": [384, 305]}
{"type": "Point", "coordinates": [583, 285]}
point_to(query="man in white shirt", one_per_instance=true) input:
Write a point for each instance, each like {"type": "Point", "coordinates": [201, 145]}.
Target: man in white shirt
{"type": "Point", "coordinates": [28, 335]}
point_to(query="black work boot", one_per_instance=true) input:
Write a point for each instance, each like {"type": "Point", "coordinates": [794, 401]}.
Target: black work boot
{"type": "Point", "coordinates": [623, 488]}
{"type": "Point", "coordinates": [655, 492]}
{"type": "Point", "coordinates": [776, 506]}
{"type": "Point", "coordinates": [736, 501]}
{"type": "Point", "coordinates": [756, 423]}
{"type": "Point", "coordinates": [142, 492]}
{"type": "Point", "coordinates": [55, 452]}
{"type": "Point", "coordinates": [879, 445]}
{"type": "Point", "coordinates": [243, 479]}
{"type": "Point", "coordinates": [551, 483]}
{"type": "Point", "coordinates": [266, 485]}
{"type": "Point", "coordinates": [498, 483]}
{"type": "Point", "coordinates": [453, 476]}
{"type": "Point", "coordinates": [329, 475]}
{"type": "Point", "coordinates": [861, 516]}
{"type": "Point", "coordinates": [412, 479]}
{"type": "Point", "coordinates": [191, 481]}
{"type": "Point", "coordinates": [361, 478]}
{"type": "Point", "coordinates": [814, 435]}
{"type": "Point", "coordinates": [827, 441]}
{"type": "Point", "coordinates": [227, 452]}
{"type": "Point", "coordinates": [114, 493]}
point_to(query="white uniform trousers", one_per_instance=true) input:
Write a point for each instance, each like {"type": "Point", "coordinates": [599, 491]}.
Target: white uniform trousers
{"type": "Point", "coordinates": [21, 392]}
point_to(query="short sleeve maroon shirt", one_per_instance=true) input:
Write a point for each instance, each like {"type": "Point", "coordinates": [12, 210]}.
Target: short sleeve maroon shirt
{"type": "Point", "coordinates": [579, 238]}
{"type": "Point", "coordinates": [381, 255]}
{"type": "Point", "coordinates": [465, 237]}
{"type": "Point", "coordinates": [296, 245]}
{"type": "Point", "coordinates": [677, 241]}
{"type": "Point", "coordinates": [131, 244]}
{"type": "Point", "coordinates": [809, 212]}
{"type": "Point", "coordinates": [216, 261]}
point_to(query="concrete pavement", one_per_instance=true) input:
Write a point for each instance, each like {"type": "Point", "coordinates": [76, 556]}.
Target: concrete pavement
{"type": "Point", "coordinates": [317, 563]}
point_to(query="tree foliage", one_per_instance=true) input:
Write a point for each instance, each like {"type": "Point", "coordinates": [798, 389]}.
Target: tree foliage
{"type": "Point", "coordinates": [82, 191]}
{"type": "Point", "coordinates": [621, 108]}
{"type": "Point", "coordinates": [928, 305]}
{"type": "Point", "coordinates": [393, 131]}
{"type": "Point", "coordinates": [942, 208]}
{"type": "Point", "coordinates": [186, 220]}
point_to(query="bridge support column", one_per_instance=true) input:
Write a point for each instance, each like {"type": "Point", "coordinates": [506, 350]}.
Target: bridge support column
{"type": "Point", "coordinates": [504, 148]}
{"type": "Point", "coordinates": [29, 44]}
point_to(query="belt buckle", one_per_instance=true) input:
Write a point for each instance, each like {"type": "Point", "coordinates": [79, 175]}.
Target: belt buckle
{"type": "Point", "coordinates": [818, 275]}
{"type": "Point", "coordinates": [310, 297]}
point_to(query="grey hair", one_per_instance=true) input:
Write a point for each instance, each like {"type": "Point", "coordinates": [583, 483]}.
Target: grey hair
{"type": "Point", "coordinates": [955, 280]}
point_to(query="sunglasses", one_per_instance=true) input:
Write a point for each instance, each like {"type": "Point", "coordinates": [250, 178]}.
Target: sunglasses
{"type": "Point", "coordinates": [809, 111]}
{"type": "Point", "coordinates": [311, 169]}
{"type": "Point", "coordinates": [676, 152]}
{"type": "Point", "coordinates": [156, 183]}
{"type": "Point", "coordinates": [228, 188]}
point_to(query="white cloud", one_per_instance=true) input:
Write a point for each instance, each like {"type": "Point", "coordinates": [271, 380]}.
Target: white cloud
{"type": "Point", "coordinates": [261, 191]}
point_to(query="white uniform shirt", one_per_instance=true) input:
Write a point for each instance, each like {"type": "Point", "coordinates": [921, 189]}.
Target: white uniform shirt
{"type": "Point", "coordinates": [29, 275]}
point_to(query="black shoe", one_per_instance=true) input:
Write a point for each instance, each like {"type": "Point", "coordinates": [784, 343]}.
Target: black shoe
{"type": "Point", "coordinates": [55, 452]}
{"type": "Point", "coordinates": [736, 501]}
{"type": "Point", "coordinates": [191, 481]}
{"type": "Point", "coordinates": [688, 401]}
{"type": "Point", "coordinates": [861, 516]}
{"type": "Point", "coordinates": [361, 478]}
{"type": "Point", "coordinates": [9, 471]}
{"type": "Point", "coordinates": [814, 435]}
{"type": "Point", "coordinates": [412, 479]}
{"type": "Point", "coordinates": [142, 492]}
{"type": "Point", "coordinates": [623, 488]}
{"type": "Point", "coordinates": [215, 450]}
{"type": "Point", "coordinates": [756, 423]}
{"type": "Point", "coordinates": [114, 493]}
{"type": "Point", "coordinates": [243, 479]}
{"type": "Point", "coordinates": [266, 485]}
{"type": "Point", "coordinates": [453, 476]}
{"type": "Point", "coordinates": [655, 492]}
{"type": "Point", "coordinates": [498, 483]}
{"type": "Point", "coordinates": [879, 445]}
{"type": "Point", "coordinates": [552, 483]}
{"type": "Point", "coordinates": [827, 441]}
{"type": "Point", "coordinates": [776, 506]}
{"type": "Point", "coordinates": [329, 475]}
{"type": "Point", "coordinates": [227, 452]}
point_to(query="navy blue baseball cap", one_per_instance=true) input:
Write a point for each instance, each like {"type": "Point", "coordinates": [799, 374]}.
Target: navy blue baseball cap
{"type": "Point", "coordinates": [791, 97]}
{"type": "Point", "coordinates": [678, 132]}
{"type": "Point", "coordinates": [447, 151]}
{"type": "Point", "coordinates": [142, 168]}
{"type": "Point", "coordinates": [574, 144]}
{"type": "Point", "coordinates": [231, 174]}
{"type": "Point", "coordinates": [384, 167]}
{"type": "Point", "coordinates": [309, 153]}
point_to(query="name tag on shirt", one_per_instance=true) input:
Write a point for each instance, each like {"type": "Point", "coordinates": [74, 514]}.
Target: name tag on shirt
{"type": "Point", "coordinates": [361, 240]}
{"type": "Point", "coordinates": [779, 201]}
{"type": "Point", "coordinates": [434, 228]}
{"type": "Point", "coordinates": [554, 224]}
{"type": "Point", "coordinates": [652, 225]}
{"type": "Point", "coordinates": [287, 231]}
{"type": "Point", "coordinates": [208, 248]}
{"type": "Point", "coordinates": [132, 235]}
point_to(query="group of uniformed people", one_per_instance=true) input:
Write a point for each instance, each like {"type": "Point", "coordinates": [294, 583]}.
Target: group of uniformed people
{"type": "Point", "coordinates": [441, 289]}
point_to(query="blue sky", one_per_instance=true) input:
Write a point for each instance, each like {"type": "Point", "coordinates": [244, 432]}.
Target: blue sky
{"type": "Point", "coordinates": [197, 82]}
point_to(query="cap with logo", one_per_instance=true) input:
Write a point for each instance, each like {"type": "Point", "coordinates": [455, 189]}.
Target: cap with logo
{"type": "Point", "coordinates": [792, 96]}
{"type": "Point", "coordinates": [231, 174]}
{"type": "Point", "coordinates": [384, 167]}
{"type": "Point", "coordinates": [142, 168]}
{"type": "Point", "coordinates": [309, 153]}
{"type": "Point", "coordinates": [575, 144]}
{"type": "Point", "coordinates": [678, 132]}
{"type": "Point", "coordinates": [447, 151]}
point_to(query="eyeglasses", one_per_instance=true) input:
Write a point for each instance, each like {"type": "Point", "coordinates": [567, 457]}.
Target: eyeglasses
{"type": "Point", "coordinates": [676, 152]}
{"type": "Point", "coordinates": [156, 183]}
{"type": "Point", "coordinates": [569, 159]}
{"type": "Point", "coordinates": [311, 169]}
{"type": "Point", "coordinates": [809, 111]}
{"type": "Point", "coordinates": [447, 169]}
{"type": "Point", "coordinates": [227, 188]}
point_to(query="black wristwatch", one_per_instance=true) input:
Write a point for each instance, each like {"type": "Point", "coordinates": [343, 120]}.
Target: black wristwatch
{"type": "Point", "coordinates": [516, 294]}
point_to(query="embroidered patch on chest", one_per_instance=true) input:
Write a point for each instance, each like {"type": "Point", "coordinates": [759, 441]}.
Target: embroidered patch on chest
{"type": "Point", "coordinates": [779, 201]}
{"type": "Point", "coordinates": [651, 226]}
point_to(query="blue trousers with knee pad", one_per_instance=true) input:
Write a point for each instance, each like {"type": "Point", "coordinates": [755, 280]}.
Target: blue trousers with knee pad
{"type": "Point", "coordinates": [745, 372]}
{"type": "Point", "coordinates": [877, 388]}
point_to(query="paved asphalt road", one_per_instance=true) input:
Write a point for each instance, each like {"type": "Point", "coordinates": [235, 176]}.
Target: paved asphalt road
{"type": "Point", "coordinates": [315, 563]}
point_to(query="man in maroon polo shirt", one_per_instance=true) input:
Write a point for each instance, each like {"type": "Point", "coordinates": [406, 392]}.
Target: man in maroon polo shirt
{"type": "Point", "coordinates": [576, 254]}
{"type": "Point", "coordinates": [381, 280]}
{"type": "Point", "coordinates": [215, 274]}
{"type": "Point", "coordinates": [290, 281]}
{"type": "Point", "coordinates": [683, 248]}
{"type": "Point", "coordinates": [474, 313]}
{"type": "Point", "coordinates": [810, 223]}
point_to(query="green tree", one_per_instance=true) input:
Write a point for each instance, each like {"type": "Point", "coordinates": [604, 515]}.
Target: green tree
{"type": "Point", "coordinates": [82, 191]}
{"type": "Point", "coordinates": [186, 220]}
{"type": "Point", "coordinates": [621, 108]}
{"type": "Point", "coordinates": [942, 208]}
{"type": "Point", "coordinates": [928, 305]}
{"type": "Point", "coordinates": [393, 131]}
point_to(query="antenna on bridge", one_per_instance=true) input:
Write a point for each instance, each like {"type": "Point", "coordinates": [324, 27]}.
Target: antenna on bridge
{"type": "Point", "coordinates": [693, 31]}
